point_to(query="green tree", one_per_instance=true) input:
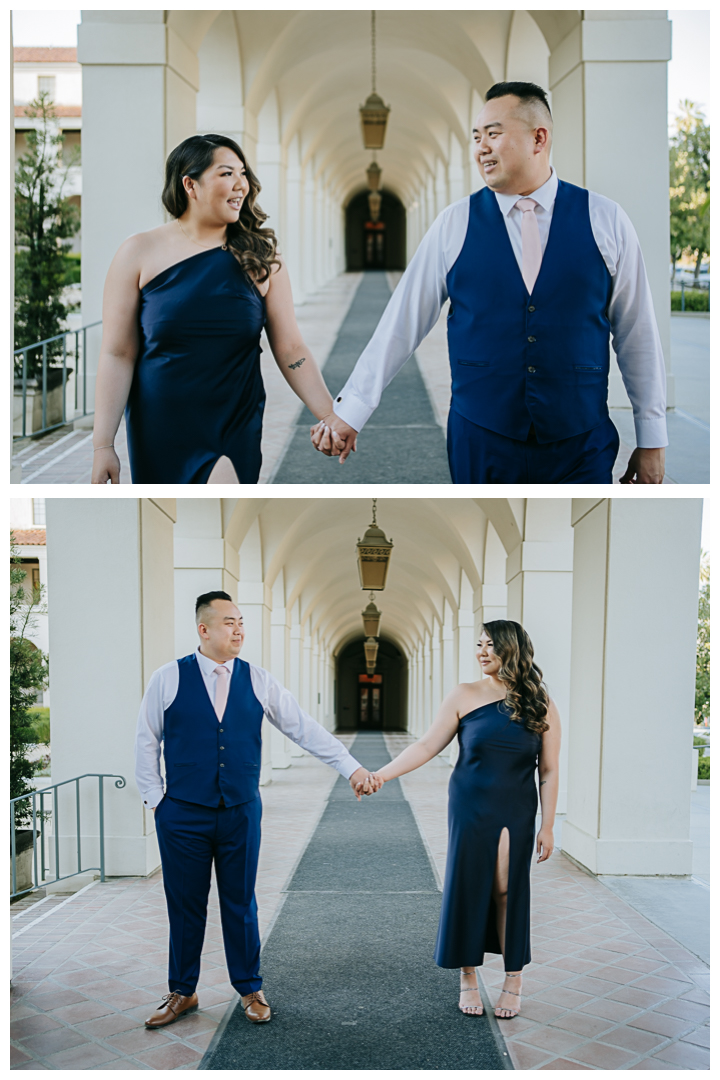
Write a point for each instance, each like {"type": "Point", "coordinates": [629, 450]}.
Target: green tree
{"type": "Point", "coordinates": [690, 186]}
{"type": "Point", "coordinates": [28, 674]}
{"type": "Point", "coordinates": [702, 668]}
{"type": "Point", "coordinates": [44, 220]}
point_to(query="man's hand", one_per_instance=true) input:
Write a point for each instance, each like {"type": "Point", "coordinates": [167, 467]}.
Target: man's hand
{"type": "Point", "coordinates": [364, 782]}
{"type": "Point", "coordinates": [646, 466]}
{"type": "Point", "coordinates": [333, 437]}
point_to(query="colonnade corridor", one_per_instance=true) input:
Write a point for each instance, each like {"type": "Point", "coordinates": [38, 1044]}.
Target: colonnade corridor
{"type": "Point", "coordinates": [402, 443]}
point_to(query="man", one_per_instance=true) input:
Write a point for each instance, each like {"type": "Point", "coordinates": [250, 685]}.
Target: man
{"type": "Point", "coordinates": [207, 711]}
{"type": "Point", "coordinates": [539, 274]}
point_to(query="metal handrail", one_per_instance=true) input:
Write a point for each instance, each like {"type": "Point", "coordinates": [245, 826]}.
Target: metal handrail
{"type": "Point", "coordinates": [44, 345]}
{"type": "Point", "coordinates": [40, 816]}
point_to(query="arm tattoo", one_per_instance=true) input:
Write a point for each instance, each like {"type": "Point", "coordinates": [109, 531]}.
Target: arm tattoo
{"type": "Point", "coordinates": [543, 782]}
{"type": "Point", "coordinates": [297, 364]}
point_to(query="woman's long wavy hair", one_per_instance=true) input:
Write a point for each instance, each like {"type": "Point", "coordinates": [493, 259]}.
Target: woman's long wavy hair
{"type": "Point", "coordinates": [527, 694]}
{"type": "Point", "coordinates": [254, 247]}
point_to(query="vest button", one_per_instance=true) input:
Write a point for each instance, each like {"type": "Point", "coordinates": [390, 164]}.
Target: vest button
{"type": "Point", "coordinates": [531, 338]}
{"type": "Point", "coordinates": [222, 729]}
{"type": "Point", "coordinates": [531, 308]}
{"type": "Point", "coordinates": [222, 747]}
{"type": "Point", "coordinates": [221, 765]}
{"type": "Point", "coordinates": [531, 369]}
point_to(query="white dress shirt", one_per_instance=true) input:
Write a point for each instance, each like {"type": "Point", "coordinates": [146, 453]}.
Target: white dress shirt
{"type": "Point", "coordinates": [415, 306]}
{"type": "Point", "coordinates": [280, 707]}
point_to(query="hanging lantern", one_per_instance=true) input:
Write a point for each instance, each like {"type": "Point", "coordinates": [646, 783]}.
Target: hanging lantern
{"type": "Point", "coordinates": [374, 200]}
{"type": "Point", "coordinates": [373, 556]}
{"type": "Point", "coordinates": [374, 113]}
{"type": "Point", "coordinates": [370, 669]}
{"type": "Point", "coordinates": [371, 618]}
{"type": "Point", "coordinates": [373, 174]}
{"type": "Point", "coordinates": [370, 645]}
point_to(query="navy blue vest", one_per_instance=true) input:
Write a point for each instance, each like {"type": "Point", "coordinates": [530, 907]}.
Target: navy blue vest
{"type": "Point", "coordinates": [520, 359]}
{"type": "Point", "coordinates": [206, 759]}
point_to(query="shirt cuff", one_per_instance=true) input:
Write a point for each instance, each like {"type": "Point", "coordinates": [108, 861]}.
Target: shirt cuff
{"type": "Point", "coordinates": [153, 798]}
{"type": "Point", "coordinates": [348, 766]}
{"type": "Point", "coordinates": [651, 434]}
{"type": "Point", "coordinates": [352, 409]}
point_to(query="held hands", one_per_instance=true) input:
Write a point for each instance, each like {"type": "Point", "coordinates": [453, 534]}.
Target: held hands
{"type": "Point", "coordinates": [106, 466]}
{"type": "Point", "coordinates": [333, 437]}
{"type": "Point", "coordinates": [545, 844]}
{"type": "Point", "coordinates": [363, 782]}
{"type": "Point", "coordinates": [646, 466]}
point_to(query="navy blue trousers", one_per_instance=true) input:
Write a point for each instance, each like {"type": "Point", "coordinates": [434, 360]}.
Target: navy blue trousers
{"type": "Point", "coordinates": [190, 838]}
{"type": "Point", "coordinates": [480, 456]}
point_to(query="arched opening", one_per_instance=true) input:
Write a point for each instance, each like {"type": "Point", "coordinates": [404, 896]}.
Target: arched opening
{"type": "Point", "coordinates": [380, 705]}
{"type": "Point", "coordinates": [375, 245]}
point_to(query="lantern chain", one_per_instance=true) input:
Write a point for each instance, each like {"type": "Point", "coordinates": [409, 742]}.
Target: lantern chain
{"type": "Point", "coordinates": [374, 502]}
{"type": "Point", "coordinates": [374, 67]}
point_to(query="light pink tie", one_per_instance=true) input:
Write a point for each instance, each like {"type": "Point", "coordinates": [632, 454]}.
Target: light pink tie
{"type": "Point", "coordinates": [531, 248]}
{"type": "Point", "coordinates": [221, 690]}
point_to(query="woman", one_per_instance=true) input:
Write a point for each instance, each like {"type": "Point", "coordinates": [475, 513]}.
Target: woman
{"type": "Point", "coordinates": [183, 309]}
{"type": "Point", "coordinates": [507, 727]}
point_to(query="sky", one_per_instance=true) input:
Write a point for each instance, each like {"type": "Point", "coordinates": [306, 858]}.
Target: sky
{"type": "Point", "coordinates": [688, 71]}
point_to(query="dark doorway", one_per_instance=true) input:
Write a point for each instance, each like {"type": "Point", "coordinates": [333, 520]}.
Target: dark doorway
{"type": "Point", "coordinates": [375, 245]}
{"type": "Point", "coordinates": [370, 712]}
{"type": "Point", "coordinates": [380, 705]}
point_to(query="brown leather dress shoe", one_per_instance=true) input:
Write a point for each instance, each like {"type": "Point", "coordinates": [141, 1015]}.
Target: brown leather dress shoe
{"type": "Point", "coordinates": [256, 1007]}
{"type": "Point", "coordinates": [174, 1005]}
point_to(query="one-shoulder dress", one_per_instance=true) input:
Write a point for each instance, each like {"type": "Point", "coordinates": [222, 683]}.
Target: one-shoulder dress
{"type": "Point", "coordinates": [492, 786]}
{"type": "Point", "coordinates": [197, 392]}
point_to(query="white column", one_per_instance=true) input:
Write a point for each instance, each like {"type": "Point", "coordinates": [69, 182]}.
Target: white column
{"type": "Point", "coordinates": [539, 580]}
{"type": "Point", "coordinates": [609, 59]}
{"type": "Point", "coordinates": [98, 678]}
{"type": "Point", "coordinates": [140, 81]}
{"type": "Point", "coordinates": [204, 562]}
{"type": "Point", "coordinates": [457, 169]}
{"type": "Point", "coordinates": [292, 250]}
{"type": "Point", "coordinates": [494, 587]}
{"type": "Point", "coordinates": [634, 630]}
{"type": "Point", "coordinates": [255, 603]}
{"type": "Point", "coordinates": [308, 231]}
{"type": "Point", "coordinates": [295, 673]}
{"type": "Point", "coordinates": [279, 667]}
{"type": "Point", "coordinates": [468, 670]}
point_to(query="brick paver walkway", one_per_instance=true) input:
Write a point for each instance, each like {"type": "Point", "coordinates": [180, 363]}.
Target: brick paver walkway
{"type": "Point", "coordinates": [606, 989]}
{"type": "Point", "coordinates": [87, 977]}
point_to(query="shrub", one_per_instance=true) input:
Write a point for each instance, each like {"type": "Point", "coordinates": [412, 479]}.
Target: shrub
{"type": "Point", "coordinates": [28, 674]}
{"type": "Point", "coordinates": [695, 300]}
{"type": "Point", "coordinates": [704, 768]}
{"type": "Point", "coordinates": [40, 719]}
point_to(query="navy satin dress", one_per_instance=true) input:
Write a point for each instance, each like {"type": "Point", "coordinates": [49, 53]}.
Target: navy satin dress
{"type": "Point", "coordinates": [492, 786]}
{"type": "Point", "coordinates": [197, 392]}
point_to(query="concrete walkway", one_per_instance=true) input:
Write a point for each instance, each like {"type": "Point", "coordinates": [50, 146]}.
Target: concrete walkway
{"type": "Point", "coordinates": [608, 987]}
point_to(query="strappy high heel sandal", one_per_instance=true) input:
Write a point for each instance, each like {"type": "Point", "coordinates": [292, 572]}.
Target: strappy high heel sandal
{"type": "Point", "coordinates": [502, 1008]}
{"type": "Point", "coordinates": [466, 990]}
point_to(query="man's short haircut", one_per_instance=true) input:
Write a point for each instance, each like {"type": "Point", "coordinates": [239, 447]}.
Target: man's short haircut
{"type": "Point", "coordinates": [206, 600]}
{"type": "Point", "coordinates": [533, 99]}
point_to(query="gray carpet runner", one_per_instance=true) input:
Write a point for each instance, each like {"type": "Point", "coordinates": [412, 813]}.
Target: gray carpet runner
{"type": "Point", "coordinates": [401, 443]}
{"type": "Point", "coordinates": [348, 966]}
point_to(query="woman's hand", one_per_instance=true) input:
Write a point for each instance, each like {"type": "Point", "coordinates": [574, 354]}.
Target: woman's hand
{"type": "Point", "coordinates": [333, 437]}
{"type": "Point", "coordinates": [545, 844]}
{"type": "Point", "coordinates": [106, 466]}
{"type": "Point", "coordinates": [372, 783]}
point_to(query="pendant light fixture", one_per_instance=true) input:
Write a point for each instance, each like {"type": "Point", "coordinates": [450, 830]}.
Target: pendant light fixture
{"type": "Point", "coordinates": [374, 113]}
{"type": "Point", "coordinates": [373, 553]}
